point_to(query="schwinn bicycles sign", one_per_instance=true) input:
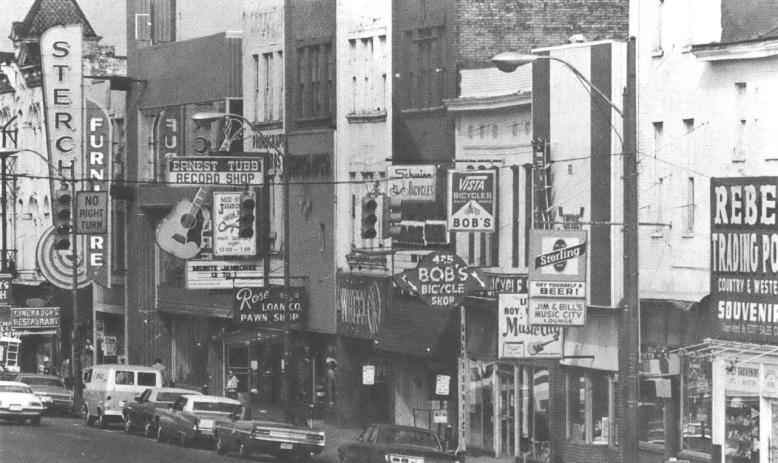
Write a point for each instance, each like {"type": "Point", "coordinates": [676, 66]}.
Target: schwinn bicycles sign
{"type": "Point", "coordinates": [471, 203]}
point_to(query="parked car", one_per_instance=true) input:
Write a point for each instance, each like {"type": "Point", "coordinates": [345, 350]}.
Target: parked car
{"type": "Point", "coordinates": [55, 396]}
{"type": "Point", "coordinates": [18, 403]}
{"type": "Point", "coordinates": [142, 413]}
{"type": "Point", "coordinates": [393, 443]}
{"type": "Point", "coordinates": [192, 416]}
{"type": "Point", "coordinates": [108, 387]}
{"type": "Point", "coordinates": [282, 440]}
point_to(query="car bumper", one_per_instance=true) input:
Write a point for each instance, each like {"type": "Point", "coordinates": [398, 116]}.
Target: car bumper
{"type": "Point", "coordinates": [27, 413]}
{"type": "Point", "coordinates": [58, 407]}
{"type": "Point", "coordinates": [275, 447]}
{"type": "Point", "coordinates": [113, 414]}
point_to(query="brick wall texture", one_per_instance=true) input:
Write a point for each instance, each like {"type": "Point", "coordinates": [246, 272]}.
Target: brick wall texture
{"type": "Point", "coordinates": [486, 27]}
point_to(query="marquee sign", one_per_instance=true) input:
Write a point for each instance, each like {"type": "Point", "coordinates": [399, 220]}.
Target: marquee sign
{"type": "Point", "coordinates": [215, 170]}
{"type": "Point", "coordinates": [223, 274]}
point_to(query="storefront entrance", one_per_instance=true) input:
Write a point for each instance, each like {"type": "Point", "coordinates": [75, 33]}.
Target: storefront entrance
{"type": "Point", "coordinates": [507, 407]}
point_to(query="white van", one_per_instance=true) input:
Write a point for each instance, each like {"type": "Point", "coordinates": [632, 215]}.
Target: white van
{"type": "Point", "coordinates": [108, 387]}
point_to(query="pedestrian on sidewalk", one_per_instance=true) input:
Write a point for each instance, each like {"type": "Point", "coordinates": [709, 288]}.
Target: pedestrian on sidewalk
{"type": "Point", "coordinates": [66, 374]}
{"type": "Point", "coordinates": [158, 365]}
{"type": "Point", "coordinates": [232, 385]}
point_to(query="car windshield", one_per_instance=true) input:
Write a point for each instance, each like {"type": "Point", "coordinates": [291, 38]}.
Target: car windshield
{"type": "Point", "coordinates": [408, 437]}
{"type": "Point", "coordinates": [14, 388]}
{"type": "Point", "coordinates": [216, 407]}
{"type": "Point", "coordinates": [168, 396]}
{"type": "Point", "coordinates": [36, 381]}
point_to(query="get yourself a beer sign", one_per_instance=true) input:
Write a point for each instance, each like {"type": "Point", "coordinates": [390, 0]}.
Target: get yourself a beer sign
{"type": "Point", "coordinates": [557, 287]}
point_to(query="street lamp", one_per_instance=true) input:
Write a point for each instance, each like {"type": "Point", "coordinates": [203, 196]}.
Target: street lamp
{"type": "Point", "coordinates": [630, 339]}
{"type": "Point", "coordinates": [206, 117]}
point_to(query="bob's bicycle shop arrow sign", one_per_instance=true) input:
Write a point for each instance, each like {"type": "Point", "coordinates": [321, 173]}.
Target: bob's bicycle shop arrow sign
{"type": "Point", "coordinates": [441, 279]}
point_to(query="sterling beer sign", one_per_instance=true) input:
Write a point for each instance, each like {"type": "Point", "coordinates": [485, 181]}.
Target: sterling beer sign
{"type": "Point", "coordinates": [557, 290]}
{"type": "Point", "coordinates": [744, 258]}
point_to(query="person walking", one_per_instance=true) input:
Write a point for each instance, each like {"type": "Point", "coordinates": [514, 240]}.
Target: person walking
{"type": "Point", "coordinates": [48, 368]}
{"type": "Point", "coordinates": [162, 370]}
{"type": "Point", "coordinates": [232, 385]}
{"type": "Point", "coordinates": [65, 374]}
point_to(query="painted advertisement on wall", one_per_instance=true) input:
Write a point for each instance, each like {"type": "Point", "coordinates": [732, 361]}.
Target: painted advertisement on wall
{"type": "Point", "coordinates": [744, 258]}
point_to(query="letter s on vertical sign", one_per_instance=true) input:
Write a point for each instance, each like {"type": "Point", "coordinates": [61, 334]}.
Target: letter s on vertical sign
{"type": "Point", "coordinates": [62, 48]}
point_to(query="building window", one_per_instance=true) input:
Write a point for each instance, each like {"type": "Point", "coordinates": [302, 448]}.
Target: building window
{"type": "Point", "coordinates": [515, 129]}
{"type": "Point", "coordinates": [117, 239]}
{"type": "Point", "coordinates": [659, 130]}
{"type": "Point", "coordinates": [367, 61]}
{"type": "Point", "coordinates": [495, 131]}
{"type": "Point", "coordinates": [651, 411]}
{"type": "Point", "coordinates": [690, 206]}
{"type": "Point", "coordinates": [315, 80]}
{"type": "Point", "coordinates": [268, 86]}
{"type": "Point", "coordinates": [741, 141]}
{"type": "Point", "coordinates": [697, 413]}
{"type": "Point", "coordinates": [470, 131]}
{"type": "Point", "coordinates": [481, 131]}
{"type": "Point", "coordinates": [589, 410]}
{"type": "Point", "coordinates": [425, 55]}
{"type": "Point", "coordinates": [660, 5]}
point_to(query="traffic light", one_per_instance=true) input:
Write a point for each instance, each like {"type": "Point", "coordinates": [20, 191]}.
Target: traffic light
{"type": "Point", "coordinates": [247, 220]}
{"type": "Point", "coordinates": [369, 217]}
{"type": "Point", "coordinates": [63, 224]}
{"type": "Point", "coordinates": [394, 216]}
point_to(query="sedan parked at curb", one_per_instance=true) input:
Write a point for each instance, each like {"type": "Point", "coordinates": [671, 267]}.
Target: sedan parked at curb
{"type": "Point", "coordinates": [382, 443]}
{"type": "Point", "coordinates": [18, 403]}
{"type": "Point", "coordinates": [192, 416]}
{"type": "Point", "coordinates": [282, 440]}
{"type": "Point", "coordinates": [143, 412]}
{"type": "Point", "coordinates": [54, 395]}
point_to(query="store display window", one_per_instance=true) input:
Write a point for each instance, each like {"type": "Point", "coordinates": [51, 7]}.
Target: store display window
{"type": "Point", "coordinates": [533, 412]}
{"type": "Point", "coordinates": [651, 413]}
{"type": "Point", "coordinates": [742, 430]}
{"type": "Point", "coordinates": [480, 402]}
{"type": "Point", "coordinates": [697, 405]}
{"type": "Point", "coordinates": [590, 406]}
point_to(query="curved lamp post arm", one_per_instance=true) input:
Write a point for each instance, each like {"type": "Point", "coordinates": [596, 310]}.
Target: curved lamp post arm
{"type": "Point", "coordinates": [586, 80]}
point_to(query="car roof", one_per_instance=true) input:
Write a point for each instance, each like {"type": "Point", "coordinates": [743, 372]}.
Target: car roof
{"type": "Point", "coordinates": [175, 390]}
{"type": "Point", "coordinates": [117, 366]}
{"type": "Point", "coordinates": [35, 375]}
{"type": "Point", "coordinates": [211, 398]}
{"type": "Point", "coordinates": [398, 426]}
{"type": "Point", "coordinates": [12, 383]}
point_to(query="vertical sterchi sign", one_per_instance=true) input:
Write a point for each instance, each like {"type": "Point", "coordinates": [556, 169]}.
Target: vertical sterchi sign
{"type": "Point", "coordinates": [744, 258]}
{"type": "Point", "coordinates": [61, 66]}
{"type": "Point", "coordinates": [98, 159]}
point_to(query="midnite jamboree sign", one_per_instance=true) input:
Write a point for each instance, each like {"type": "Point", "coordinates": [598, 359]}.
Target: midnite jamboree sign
{"type": "Point", "coordinates": [744, 257]}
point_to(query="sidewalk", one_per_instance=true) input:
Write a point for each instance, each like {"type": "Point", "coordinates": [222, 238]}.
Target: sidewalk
{"type": "Point", "coordinates": [337, 435]}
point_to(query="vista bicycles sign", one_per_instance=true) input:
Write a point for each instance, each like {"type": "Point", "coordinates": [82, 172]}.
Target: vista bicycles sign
{"type": "Point", "coordinates": [472, 199]}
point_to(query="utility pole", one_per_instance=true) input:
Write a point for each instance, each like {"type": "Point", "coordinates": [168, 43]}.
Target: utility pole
{"type": "Point", "coordinates": [629, 345]}
{"type": "Point", "coordinates": [286, 371]}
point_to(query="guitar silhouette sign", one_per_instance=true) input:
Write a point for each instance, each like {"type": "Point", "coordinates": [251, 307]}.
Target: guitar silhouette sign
{"type": "Point", "coordinates": [181, 232]}
{"type": "Point", "coordinates": [534, 348]}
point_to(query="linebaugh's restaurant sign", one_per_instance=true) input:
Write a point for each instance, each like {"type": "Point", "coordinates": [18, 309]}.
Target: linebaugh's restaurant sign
{"type": "Point", "coordinates": [744, 257]}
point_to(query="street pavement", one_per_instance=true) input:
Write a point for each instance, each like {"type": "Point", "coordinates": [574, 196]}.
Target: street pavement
{"type": "Point", "coordinates": [65, 440]}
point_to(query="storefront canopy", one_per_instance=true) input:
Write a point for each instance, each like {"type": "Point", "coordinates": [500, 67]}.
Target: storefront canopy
{"type": "Point", "coordinates": [733, 351]}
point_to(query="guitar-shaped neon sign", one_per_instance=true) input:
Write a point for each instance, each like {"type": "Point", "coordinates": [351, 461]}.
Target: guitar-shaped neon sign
{"type": "Point", "coordinates": [181, 232]}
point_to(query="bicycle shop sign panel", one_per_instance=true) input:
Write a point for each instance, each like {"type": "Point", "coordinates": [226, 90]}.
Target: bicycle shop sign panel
{"type": "Point", "coordinates": [412, 183]}
{"type": "Point", "coordinates": [441, 279]}
{"type": "Point", "coordinates": [472, 198]}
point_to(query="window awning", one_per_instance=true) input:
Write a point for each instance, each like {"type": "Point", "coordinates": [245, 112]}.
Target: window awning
{"type": "Point", "coordinates": [737, 352]}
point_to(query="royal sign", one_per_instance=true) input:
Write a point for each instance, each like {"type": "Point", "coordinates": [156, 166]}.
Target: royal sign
{"type": "Point", "coordinates": [517, 339]}
{"type": "Point", "coordinates": [269, 306]}
{"type": "Point", "coordinates": [215, 170]}
{"type": "Point", "coordinates": [471, 200]}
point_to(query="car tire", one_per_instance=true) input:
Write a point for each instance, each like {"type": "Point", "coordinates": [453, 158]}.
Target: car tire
{"type": "Point", "coordinates": [35, 420]}
{"type": "Point", "coordinates": [160, 434]}
{"type": "Point", "coordinates": [244, 451]}
{"type": "Point", "coordinates": [148, 428]}
{"type": "Point", "coordinates": [103, 421]}
{"type": "Point", "coordinates": [221, 449]}
{"type": "Point", "coordinates": [90, 420]}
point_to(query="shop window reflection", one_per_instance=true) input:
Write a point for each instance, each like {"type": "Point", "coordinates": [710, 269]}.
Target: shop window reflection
{"type": "Point", "coordinates": [698, 406]}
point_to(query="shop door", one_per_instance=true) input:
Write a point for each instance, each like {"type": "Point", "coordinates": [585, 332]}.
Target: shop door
{"type": "Point", "coordinates": [506, 412]}
{"type": "Point", "coordinates": [376, 404]}
{"type": "Point", "coordinates": [238, 361]}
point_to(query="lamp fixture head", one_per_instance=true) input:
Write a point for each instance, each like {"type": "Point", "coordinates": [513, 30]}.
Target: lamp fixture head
{"type": "Point", "coordinates": [508, 61]}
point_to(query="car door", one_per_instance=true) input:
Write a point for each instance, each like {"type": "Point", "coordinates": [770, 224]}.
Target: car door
{"type": "Point", "coordinates": [135, 409]}
{"type": "Point", "coordinates": [173, 421]}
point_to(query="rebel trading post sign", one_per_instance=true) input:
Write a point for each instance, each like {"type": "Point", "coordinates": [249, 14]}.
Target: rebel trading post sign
{"type": "Point", "coordinates": [557, 289]}
{"type": "Point", "coordinates": [744, 258]}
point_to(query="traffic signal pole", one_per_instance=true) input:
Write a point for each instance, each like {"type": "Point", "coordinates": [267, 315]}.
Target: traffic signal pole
{"type": "Point", "coordinates": [76, 344]}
